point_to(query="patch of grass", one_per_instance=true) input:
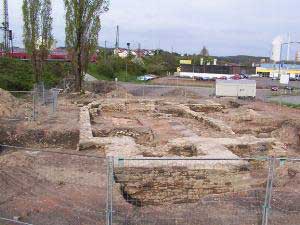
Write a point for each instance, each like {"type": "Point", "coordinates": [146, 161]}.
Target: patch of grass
{"type": "Point", "coordinates": [287, 104]}
{"type": "Point", "coordinates": [93, 70]}
{"type": "Point", "coordinates": [18, 75]}
{"type": "Point", "coordinates": [103, 72]}
{"type": "Point", "coordinates": [291, 105]}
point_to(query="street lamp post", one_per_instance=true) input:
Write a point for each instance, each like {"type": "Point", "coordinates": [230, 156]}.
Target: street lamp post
{"type": "Point", "coordinates": [281, 46]}
{"type": "Point", "coordinates": [128, 54]}
{"type": "Point", "coordinates": [280, 62]}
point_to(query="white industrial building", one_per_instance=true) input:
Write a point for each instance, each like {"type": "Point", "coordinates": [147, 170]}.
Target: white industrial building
{"type": "Point", "coordinates": [276, 48]}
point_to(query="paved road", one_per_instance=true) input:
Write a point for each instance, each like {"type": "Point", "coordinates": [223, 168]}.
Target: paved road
{"type": "Point", "coordinates": [263, 82]}
{"type": "Point", "coordinates": [160, 90]}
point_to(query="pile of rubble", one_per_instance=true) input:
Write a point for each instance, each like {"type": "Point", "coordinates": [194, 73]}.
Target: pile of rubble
{"type": "Point", "coordinates": [8, 104]}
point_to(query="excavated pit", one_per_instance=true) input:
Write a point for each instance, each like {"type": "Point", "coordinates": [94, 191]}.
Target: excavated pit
{"type": "Point", "coordinates": [179, 185]}
{"type": "Point", "coordinates": [251, 150]}
{"type": "Point", "coordinates": [185, 151]}
{"type": "Point", "coordinates": [161, 130]}
{"type": "Point", "coordinates": [142, 135]}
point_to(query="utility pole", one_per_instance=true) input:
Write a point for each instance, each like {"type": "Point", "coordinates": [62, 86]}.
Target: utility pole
{"type": "Point", "coordinates": [6, 27]}
{"type": "Point", "coordinates": [117, 45]}
{"type": "Point", "coordinates": [128, 55]}
{"type": "Point", "coordinates": [105, 43]}
{"type": "Point", "coordinates": [139, 50]}
{"type": "Point", "coordinates": [288, 47]}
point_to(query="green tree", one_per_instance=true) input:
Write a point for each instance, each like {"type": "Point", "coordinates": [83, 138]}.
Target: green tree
{"type": "Point", "coordinates": [82, 29]}
{"type": "Point", "coordinates": [204, 52]}
{"type": "Point", "coordinates": [37, 32]}
{"type": "Point", "coordinates": [46, 29]}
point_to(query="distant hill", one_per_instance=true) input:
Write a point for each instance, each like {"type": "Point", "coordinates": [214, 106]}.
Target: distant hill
{"type": "Point", "coordinates": [241, 59]}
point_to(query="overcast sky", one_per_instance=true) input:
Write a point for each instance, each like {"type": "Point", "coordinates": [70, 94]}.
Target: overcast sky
{"type": "Point", "coordinates": [225, 27]}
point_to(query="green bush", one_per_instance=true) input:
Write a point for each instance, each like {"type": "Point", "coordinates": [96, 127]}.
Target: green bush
{"type": "Point", "coordinates": [105, 70]}
{"type": "Point", "coordinates": [115, 67]}
{"type": "Point", "coordinates": [18, 75]}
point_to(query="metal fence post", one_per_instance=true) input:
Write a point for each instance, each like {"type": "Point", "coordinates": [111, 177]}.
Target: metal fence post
{"type": "Point", "coordinates": [33, 106]}
{"type": "Point", "coordinates": [54, 98]}
{"type": "Point", "coordinates": [110, 178]}
{"type": "Point", "coordinates": [268, 195]}
{"type": "Point", "coordinates": [43, 93]}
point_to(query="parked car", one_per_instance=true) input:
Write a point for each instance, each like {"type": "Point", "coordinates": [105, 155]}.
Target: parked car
{"type": "Point", "coordinates": [236, 77]}
{"type": "Point", "coordinates": [146, 77]}
{"type": "Point", "coordinates": [244, 76]}
{"type": "Point", "coordinates": [202, 78]}
{"type": "Point", "coordinates": [274, 88]}
{"type": "Point", "coordinates": [222, 78]}
{"type": "Point", "coordinates": [289, 88]}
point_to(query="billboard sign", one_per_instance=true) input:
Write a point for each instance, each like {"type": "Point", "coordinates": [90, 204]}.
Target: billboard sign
{"type": "Point", "coordinates": [284, 79]}
{"type": "Point", "coordinates": [186, 62]}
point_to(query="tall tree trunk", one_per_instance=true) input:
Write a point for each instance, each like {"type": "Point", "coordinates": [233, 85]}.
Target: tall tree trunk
{"type": "Point", "coordinates": [78, 78]}
{"type": "Point", "coordinates": [35, 67]}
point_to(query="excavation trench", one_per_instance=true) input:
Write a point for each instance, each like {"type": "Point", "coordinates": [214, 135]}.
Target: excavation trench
{"type": "Point", "coordinates": [143, 136]}
{"type": "Point", "coordinates": [40, 137]}
{"type": "Point", "coordinates": [179, 185]}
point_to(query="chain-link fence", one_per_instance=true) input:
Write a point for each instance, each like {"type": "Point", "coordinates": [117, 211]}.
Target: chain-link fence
{"type": "Point", "coordinates": [46, 186]}
{"type": "Point", "coordinates": [285, 201]}
{"type": "Point", "coordinates": [29, 105]}
{"type": "Point", "coordinates": [151, 191]}
{"type": "Point", "coordinates": [202, 191]}
{"type": "Point", "coordinates": [145, 90]}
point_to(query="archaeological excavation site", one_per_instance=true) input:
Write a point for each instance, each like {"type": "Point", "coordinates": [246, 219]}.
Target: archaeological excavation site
{"type": "Point", "coordinates": [125, 156]}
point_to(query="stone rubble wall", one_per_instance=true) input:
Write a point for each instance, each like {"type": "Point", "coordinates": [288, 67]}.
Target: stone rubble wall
{"type": "Point", "coordinates": [212, 122]}
{"type": "Point", "coordinates": [175, 185]}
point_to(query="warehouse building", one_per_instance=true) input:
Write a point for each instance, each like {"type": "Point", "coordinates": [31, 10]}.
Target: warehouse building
{"type": "Point", "coordinates": [273, 70]}
{"type": "Point", "coordinates": [214, 71]}
{"type": "Point", "coordinates": [218, 69]}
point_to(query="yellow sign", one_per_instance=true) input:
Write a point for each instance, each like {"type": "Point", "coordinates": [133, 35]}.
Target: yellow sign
{"type": "Point", "coordinates": [188, 62]}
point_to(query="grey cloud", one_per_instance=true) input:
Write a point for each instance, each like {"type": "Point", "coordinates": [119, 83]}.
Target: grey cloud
{"type": "Point", "coordinates": [227, 27]}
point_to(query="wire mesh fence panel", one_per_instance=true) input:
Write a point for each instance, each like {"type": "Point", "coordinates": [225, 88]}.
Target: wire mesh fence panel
{"type": "Point", "coordinates": [28, 105]}
{"type": "Point", "coordinates": [52, 188]}
{"type": "Point", "coordinates": [285, 202]}
{"type": "Point", "coordinates": [189, 191]}
{"type": "Point", "coordinates": [17, 105]}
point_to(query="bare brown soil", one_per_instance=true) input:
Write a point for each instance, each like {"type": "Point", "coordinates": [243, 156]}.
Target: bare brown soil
{"type": "Point", "coordinates": [47, 188]}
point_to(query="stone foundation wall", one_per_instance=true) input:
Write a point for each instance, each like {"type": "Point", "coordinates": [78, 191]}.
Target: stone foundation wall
{"type": "Point", "coordinates": [175, 185]}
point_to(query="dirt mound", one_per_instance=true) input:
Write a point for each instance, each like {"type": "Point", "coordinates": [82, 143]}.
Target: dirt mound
{"type": "Point", "coordinates": [177, 92]}
{"type": "Point", "coordinates": [14, 159]}
{"type": "Point", "coordinates": [207, 108]}
{"type": "Point", "coordinates": [82, 98]}
{"type": "Point", "coordinates": [8, 104]}
{"type": "Point", "coordinates": [119, 92]}
{"type": "Point", "coordinates": [101, 87]}
{"type": "Point", "coordinates": [289, 133]}
{"type": "Point", "coordinates": [108, 89]}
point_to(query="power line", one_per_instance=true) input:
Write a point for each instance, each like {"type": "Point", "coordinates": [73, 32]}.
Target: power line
{"type": "Point", "coordinates": [50, 151]}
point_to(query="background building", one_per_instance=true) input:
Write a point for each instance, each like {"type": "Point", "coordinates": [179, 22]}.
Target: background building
{"type": "Point", "coordinates": [273, 70]}
{"type": "Point", "coordinates": [297, 58]}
